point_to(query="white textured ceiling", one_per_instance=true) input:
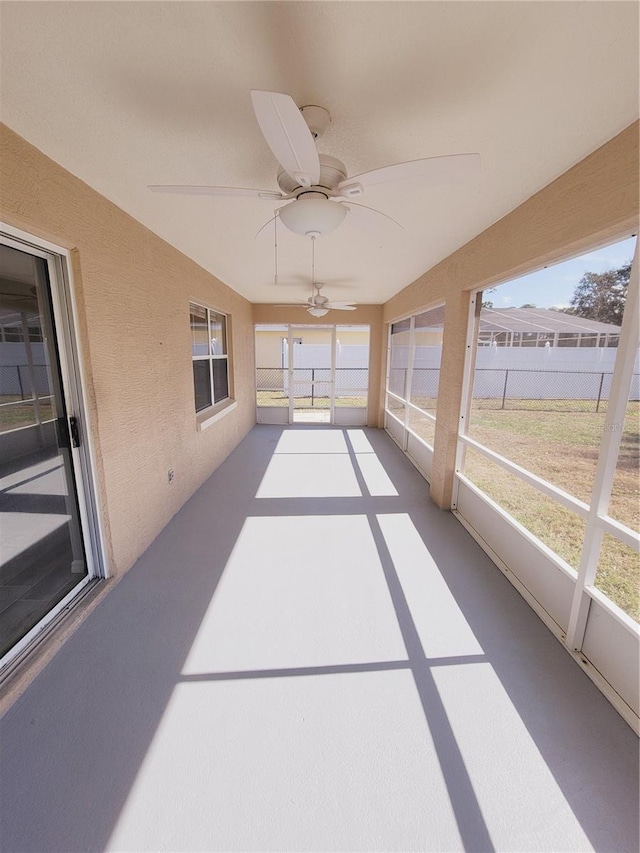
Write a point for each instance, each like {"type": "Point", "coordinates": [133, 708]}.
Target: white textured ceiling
{"type": "Point", "coordinates": [128, 94]}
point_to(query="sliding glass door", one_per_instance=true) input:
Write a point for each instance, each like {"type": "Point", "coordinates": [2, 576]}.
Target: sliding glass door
{"type": "Point", "coordinates": [45, 557]}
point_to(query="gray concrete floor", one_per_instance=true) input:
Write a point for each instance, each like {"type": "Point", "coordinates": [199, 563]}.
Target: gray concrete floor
{"type": "Point", "coordinates": [312, 656]}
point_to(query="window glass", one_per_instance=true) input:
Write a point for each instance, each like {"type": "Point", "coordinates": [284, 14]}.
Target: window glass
{"type": "Point", "coordinates": [400, 326]}
{"type": "Point", "coordinates": [199, 334]}
{"type": "Point", "coordinates": [399, 358]}
{"type": "Point", "coordinates": [12, 334]}
{"type": "Point", "coordinates": [35, 330]}
{"type": "Point", "coordinates": [218, 333]}
{"type": "Point", "coordinates": [220, 379]}
{"type": "Point", "coordinates": [202, 384]}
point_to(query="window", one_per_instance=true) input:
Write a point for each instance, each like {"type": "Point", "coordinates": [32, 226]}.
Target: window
{"type": "Point", "coordinates": [529, 339]}
{"type": "Point", "coordinates": [568, 339]}
{"type": "Point", "coordinates": [545, 339]}
{"type": "Point", "coordinates": [12, 334]}
{"type": "Point", "coordinates": [210, 356]}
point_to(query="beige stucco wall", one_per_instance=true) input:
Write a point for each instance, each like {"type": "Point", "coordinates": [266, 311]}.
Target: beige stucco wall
{"type": "Point", "coordinates": [366, 315]}
{"type": "Point", "coordinates": [595, 201]}
{"type": "Point", "coordinates": [133, 293]}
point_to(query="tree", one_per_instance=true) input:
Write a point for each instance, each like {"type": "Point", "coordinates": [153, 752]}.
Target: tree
{"type": "Point", "coordinates": [602, 296]}
{"type": "Point", "coordinates": [528, 305]}
{"type": "Point", "coordinates": [487, 303]}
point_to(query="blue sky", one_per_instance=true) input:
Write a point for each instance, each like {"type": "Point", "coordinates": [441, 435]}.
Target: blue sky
{"type": "Point", "coordinates": [555, 285]}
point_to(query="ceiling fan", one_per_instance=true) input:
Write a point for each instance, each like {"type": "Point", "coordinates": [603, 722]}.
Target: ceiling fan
{"type": "Point", "coordinates": [315, 189]}
{"type": "Point", "coordinates": [318, 305]}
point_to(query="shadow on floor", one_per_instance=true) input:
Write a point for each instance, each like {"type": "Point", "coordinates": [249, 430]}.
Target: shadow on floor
{"type": "Point", "coordinates": [75, 742]}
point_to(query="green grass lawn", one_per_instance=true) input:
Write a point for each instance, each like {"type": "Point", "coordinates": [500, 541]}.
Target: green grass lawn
{"type": "Point", "coordinates": [13, 417]}
{"type": "Point", "coordinates": [280, 398]}
{"type": "Point", "coordinates": [561, 447]}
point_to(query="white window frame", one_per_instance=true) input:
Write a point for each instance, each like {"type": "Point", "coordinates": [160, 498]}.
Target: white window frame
{"type": "Point", "coordinates": [205, 413]}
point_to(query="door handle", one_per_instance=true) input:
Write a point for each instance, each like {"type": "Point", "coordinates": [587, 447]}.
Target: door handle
{"type": "Point", "coordinates": [75, 431]}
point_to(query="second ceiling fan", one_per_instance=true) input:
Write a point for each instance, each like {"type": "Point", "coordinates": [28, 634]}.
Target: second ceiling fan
{"type": "Point", "coordinates": [318, 305]}
{"type": "Point", "coordinates": [315, 191]}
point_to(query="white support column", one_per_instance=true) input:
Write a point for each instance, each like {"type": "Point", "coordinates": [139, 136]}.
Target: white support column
{"type": "Point", "coordinates": [290, 370]}
{"type": "Point", "coordinates": [471, 351]}
{"type": "Point", "coordinates": [332, 399]}
{"type": "Point", "coordinates": [607, 460]}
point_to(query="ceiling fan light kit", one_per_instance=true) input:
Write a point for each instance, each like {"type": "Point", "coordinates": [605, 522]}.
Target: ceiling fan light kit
{"type": "Point", "coordinates": [317, 312]}
{"type": "Point", "coordinates": [312, 215]}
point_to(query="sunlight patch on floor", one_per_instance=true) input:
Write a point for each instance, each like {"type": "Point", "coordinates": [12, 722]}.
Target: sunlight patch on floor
{"type": "Point", "coordinates": [329, 762]}
{"type": "Point", "coordinates": [309, 475]}
{"type": "Point", "coordinates": [312, 441]}
{"type": "Point", "coordinates": [375, 477]}
{"type": "Point", "coordinates": [359, 441]}
{"type": "Point", "coordinates": [296, 592]}
{"type": "Point", "coordinates": [521, 802]}
{"type": "Point", "coordinates": [441, 624]}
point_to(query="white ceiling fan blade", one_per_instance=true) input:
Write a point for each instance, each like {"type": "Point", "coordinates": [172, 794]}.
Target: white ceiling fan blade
{"type": "Point", "coordinates": [287, 135]}
{"type": "Point", "coordinates": [267, 229]}
{"type": "Point", "coordinates": [369, 218]}
{"type": "Point", "coordinates": [332, 306]}
{"type": "Point", "coordinates": [341, 304]}
{"type": "Point", "coordinates": [430, 170]}
{"type": "Point", "coordinates": [295, 305]}
{"type": "Point", "coordinates": [178, 189]}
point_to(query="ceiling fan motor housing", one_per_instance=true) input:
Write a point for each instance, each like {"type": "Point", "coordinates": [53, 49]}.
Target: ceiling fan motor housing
{"type": "Point", "coordinates": [332, 172]}
{"type": "Point", "coordinates": [317, 119]}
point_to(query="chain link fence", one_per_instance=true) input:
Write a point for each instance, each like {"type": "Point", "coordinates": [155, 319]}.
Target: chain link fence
{"type": "Point", "coordinates": [518, 389]}
{"type": "Point", "coordinates": [311, 387]}
{"type": "Point", "coordinates": [549, 390]}
{"type": "Point", "coordinates": [15, 381]}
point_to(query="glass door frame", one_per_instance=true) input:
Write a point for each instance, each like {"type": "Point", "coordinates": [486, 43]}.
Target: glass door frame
{"type": "Point", "coordinates": [65, 315]}
{"type": "Point", "coordinates": [331, 329]}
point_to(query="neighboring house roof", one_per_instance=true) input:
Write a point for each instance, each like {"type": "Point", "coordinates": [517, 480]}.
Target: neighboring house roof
{"type": "Point", "coordinates": [539, 320]}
